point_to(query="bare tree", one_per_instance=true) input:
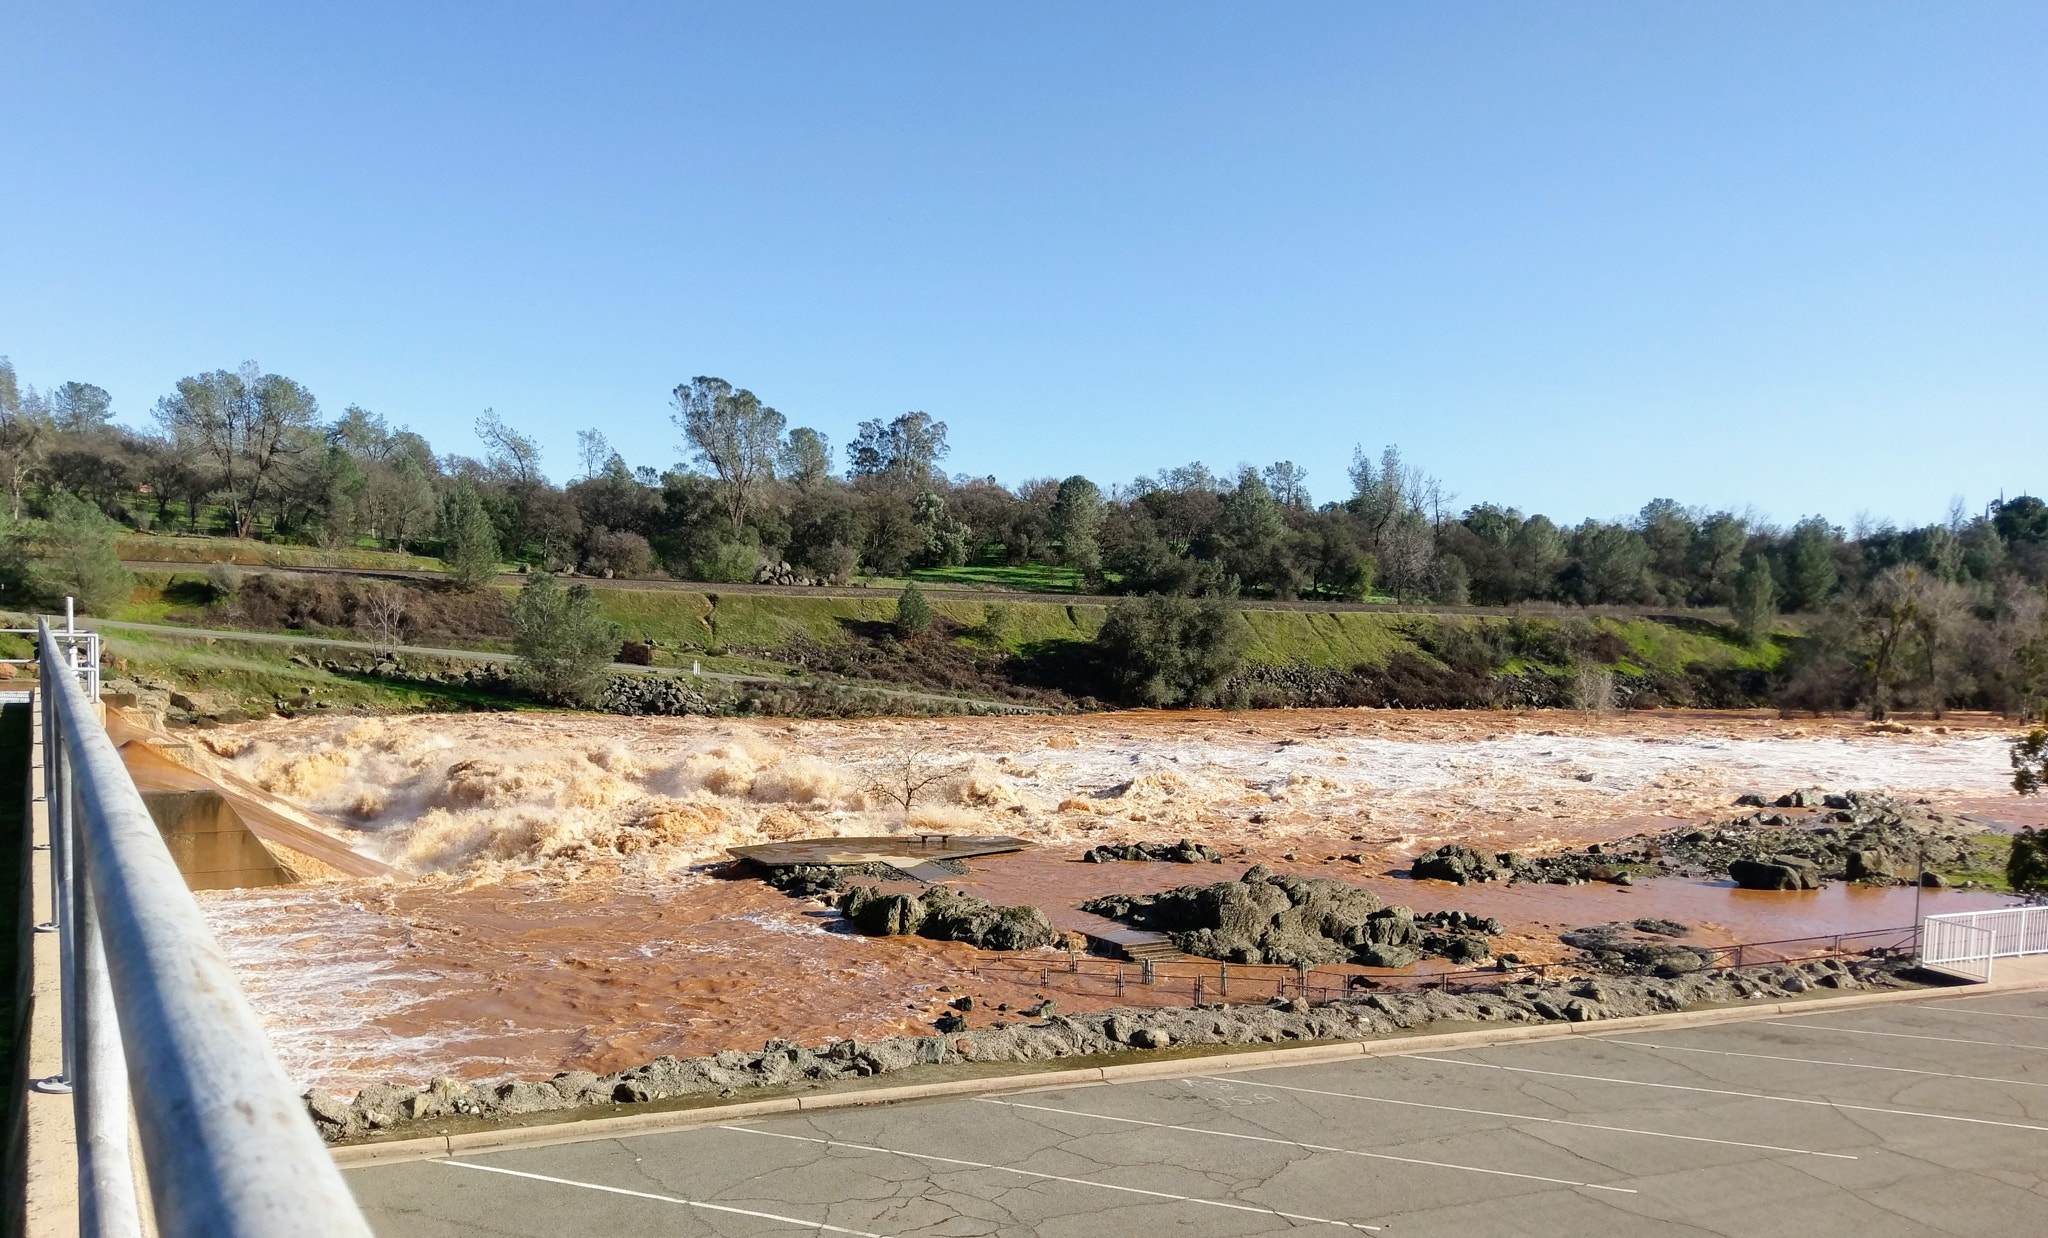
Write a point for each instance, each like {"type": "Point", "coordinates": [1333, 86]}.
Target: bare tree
{"type": "Point", "coordinates": [906, 772]}
{"type": "Point", "coordinates": [1593, 689]}
{"type": "Point", "coordinates": [592, 452]}
{"type": "Point", "coordinates": [382, 617]}
{"type": "Point", "coordinates": [511, 453]}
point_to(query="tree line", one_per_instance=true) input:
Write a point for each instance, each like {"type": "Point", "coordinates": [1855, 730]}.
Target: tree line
{"type": "Point", "coordinates": [248, 453]}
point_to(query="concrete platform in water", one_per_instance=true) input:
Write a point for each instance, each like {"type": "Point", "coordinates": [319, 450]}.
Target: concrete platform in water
{"type": "Point", "coordinates": [907, 852]}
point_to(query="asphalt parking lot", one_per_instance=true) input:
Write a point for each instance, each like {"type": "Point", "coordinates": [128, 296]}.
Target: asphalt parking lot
{"type": "Point", "coordinates": [1915, 1118]}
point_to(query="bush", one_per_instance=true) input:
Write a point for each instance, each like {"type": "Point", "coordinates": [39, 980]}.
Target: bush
{"type": "Point", "coordinates": [2030, 762]}
{"type": "Point", "coordinates": [1171, 650]}
{"type": "Point", "coordinates": [730, 563]}
{"type": "Point", "coordinates": [2026, 869]}
{"type": "Point", "coordinates": [913, 613]}
{"type": "Point", "coordinates": [615, 552]}
{"type": "Point", "coordinates": [564, 642]}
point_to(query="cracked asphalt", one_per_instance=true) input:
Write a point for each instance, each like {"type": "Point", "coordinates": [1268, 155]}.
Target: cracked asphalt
{"type": "Point", "coordinates": [1916, 1118]}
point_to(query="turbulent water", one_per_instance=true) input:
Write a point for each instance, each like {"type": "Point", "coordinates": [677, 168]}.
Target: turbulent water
{"type": "Point", "coordinates": [561, 911]}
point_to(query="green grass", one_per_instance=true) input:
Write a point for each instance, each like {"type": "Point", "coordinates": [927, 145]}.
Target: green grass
{"type": "Point", "coordinates": [1661, 643]}
{"type": "Point", "coordinates": [247, 552]}
{"type": "Point", "coordinates": [251, 677]}
{"type": "Point", "coordinates": [1986, 868]}
{"type": "Point", "coordinates": [1023, 578]}
{"type": "Point", "coordinates": [1338, 639]}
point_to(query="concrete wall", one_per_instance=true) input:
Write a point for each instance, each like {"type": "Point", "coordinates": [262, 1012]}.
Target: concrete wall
{"type": "Point", "coordinates": [212, 846]}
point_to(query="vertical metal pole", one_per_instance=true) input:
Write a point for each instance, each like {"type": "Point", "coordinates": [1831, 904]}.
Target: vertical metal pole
{"type": "Point", "coordinates": [1223, 979]}
{"type": "Point", "coordinates": [1119, 980]}
{"type": "Point", "coordinates": [70, 620]}
{"type": "Point", "coordinates": [58, 803]}
{"type": "Point", "coordinates": [107, 1204]}
{"type": "Point", "coordinates": [1198, 990]}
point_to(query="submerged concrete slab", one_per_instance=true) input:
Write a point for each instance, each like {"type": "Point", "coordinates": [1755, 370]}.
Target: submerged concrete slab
{"type": "Point", "coordinates": [898, 850]}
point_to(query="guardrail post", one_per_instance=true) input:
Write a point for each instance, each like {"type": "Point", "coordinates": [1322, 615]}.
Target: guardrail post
{"type": "Point", "coordinates": [58, 805]}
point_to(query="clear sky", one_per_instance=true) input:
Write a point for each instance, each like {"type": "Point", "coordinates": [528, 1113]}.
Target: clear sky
{"type": "Point", "coordinates": [1569, 256]}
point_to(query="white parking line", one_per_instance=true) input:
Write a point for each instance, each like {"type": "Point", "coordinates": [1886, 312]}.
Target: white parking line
{"type": "Point", "coordinates": [1032, 1173]}
{"type": "Point", "coordinates": [1312, 1147]}
{"type": "Point", "coordinates": [1523, 1117]}
{"type": "Point", "coordinates": [1684, 1087]}
{"type": "Point", "coordinates": [2003, 1014]}
{"type": "Point", "coordinates": [1857, 1031]}
{"type": "Point", "coordinates": [1814, 1061]}
{"type": "Point", "coordinates": [666, 1199]}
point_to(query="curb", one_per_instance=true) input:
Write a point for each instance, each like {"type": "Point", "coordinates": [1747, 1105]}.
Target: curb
{"type": "Point", "coordinates": [436, 1147]}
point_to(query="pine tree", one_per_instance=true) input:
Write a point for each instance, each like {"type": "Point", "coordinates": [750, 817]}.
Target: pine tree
{"type": "Point", "coordinates": [1756, 600]}
{"type": "Point", "coordinates": [469, 545]}
{"type": "Point", "coordinates": [913, 613]}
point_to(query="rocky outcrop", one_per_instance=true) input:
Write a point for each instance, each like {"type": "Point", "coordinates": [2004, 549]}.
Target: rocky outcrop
{"type": "Point", "coordinates": [1268, 917]}
{"type": "Point", "coordinates": [1182, 852]}
{"type": "Point", "coordinates": [1853, 836]}
{"type": "Point", "coordinates": [945, 914]}
{"type": "Point", "coordinates": [396, 1109]}
{"type": "Point", "coordinates": [1642, 947]}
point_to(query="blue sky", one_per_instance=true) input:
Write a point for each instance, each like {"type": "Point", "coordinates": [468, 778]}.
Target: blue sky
{"type": "Point", "coordinates": [1568, 256]}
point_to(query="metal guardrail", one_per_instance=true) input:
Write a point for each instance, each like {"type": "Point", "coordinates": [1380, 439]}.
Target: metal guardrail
{"type": "Point", "coordinates": [150, 1004]}
{"type": "Point", "coordinates": [80, 650]}
{"type": "Point", "coordinates": [1966, 942]}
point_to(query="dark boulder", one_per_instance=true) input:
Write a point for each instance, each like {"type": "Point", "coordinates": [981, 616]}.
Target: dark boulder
{"type": "Point", "coordinates": [1461, 864]}
{"type": "Point", "coordinates": [1781, 872]}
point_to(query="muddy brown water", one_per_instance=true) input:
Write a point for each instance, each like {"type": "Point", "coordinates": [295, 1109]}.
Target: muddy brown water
{"type": "Point", "coordinates": [541, 950]}
{"type": "Point", "coordinates": [528, 977]}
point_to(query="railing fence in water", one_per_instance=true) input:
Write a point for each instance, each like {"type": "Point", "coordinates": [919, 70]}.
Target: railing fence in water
{"type": "Point", "coordinates": [154, 1023]}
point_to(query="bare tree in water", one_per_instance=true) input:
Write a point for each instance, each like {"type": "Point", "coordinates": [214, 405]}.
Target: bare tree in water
{"type": "Point", "coordinates": [907, 771]}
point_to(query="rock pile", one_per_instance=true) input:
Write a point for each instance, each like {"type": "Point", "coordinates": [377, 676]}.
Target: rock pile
{"type": "Point", "coordinates": [393, 1108]}
{"type": "Point", "coordinates": [1640, 947]}
{"type": "Point", "coordinates": [1268, 917]}
{"type": "Point", "coordinates": [661, 695]}
{"type": "Point", "coordinates": [784, 574]}
{"type": "Point", "coordinates": [1855, 836]}
{"type": "Point", "coordinates": [945, 914]}
{"type": "Point", "coordinates": [1182, 852]}
{"type": "Point", "coordinates": [1462, 864]}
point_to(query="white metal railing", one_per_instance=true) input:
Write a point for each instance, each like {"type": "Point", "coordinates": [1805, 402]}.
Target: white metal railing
{"type": "Point", "coordinates": [1966, 942]}
{"type": "Point", "coordinates": [79, 649]}
{"type": "Point", "coordinates": [154, 1023]}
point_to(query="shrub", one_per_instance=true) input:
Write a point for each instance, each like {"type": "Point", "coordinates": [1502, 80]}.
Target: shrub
{"type": "Point", "coordinates": [2026, 869]}
{"type": "Point", "coordinates": [1171, 650]}
{"type": "Point", "coordinates": [913, 613]}
{"type": "Point", "coordinates": [616, 552]}
{"type": "Point", "coordinates": [2030, 762]}
{"type": "Point", "coordinates": [563, 640]}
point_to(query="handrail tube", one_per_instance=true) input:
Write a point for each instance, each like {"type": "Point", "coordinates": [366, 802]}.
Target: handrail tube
{"type": "Point", "coordinates": [229, 1149]}
{"type": "Point", "coordinates": [107, 1206]}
